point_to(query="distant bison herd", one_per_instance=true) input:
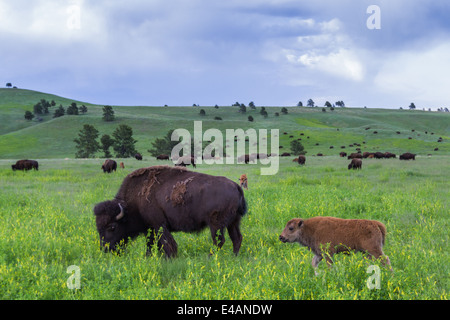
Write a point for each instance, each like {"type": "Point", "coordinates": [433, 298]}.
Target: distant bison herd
{"type": "Point", "coordinates": [159, 200]}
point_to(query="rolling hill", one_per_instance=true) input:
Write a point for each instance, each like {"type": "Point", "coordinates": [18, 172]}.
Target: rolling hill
{"type": "Point", "coordinates": [53, 137]}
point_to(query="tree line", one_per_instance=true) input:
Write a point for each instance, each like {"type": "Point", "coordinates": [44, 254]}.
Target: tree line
{"type": "Point", "coordinates": [43, 107]}
{"type": "Point", "coordinates": [121, 141]}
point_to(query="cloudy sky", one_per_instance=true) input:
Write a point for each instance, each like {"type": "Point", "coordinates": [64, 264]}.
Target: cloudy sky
{"type": "Point", "coordinates": [272, 52]}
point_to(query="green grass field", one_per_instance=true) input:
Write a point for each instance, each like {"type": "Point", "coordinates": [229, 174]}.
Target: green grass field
{"type": "Point", "coordinates": [47, 223]}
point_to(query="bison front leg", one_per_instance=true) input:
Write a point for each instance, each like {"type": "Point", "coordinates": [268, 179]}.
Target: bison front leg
{"type": "Point", "coordinates": [167, 243]}
{"type": "Point", "coordinates": [221, 237]}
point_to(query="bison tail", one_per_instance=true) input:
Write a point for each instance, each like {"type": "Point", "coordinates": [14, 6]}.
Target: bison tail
{"type": "Point", "coordinates": [242, 209]}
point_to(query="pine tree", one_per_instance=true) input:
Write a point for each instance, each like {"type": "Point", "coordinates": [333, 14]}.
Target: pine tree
{"type": "Point", "coordinates": [123, 142]}
{"type": "Point", "coordinates": [108, 113]}
{"type": "Point", "coordinates": [87, 144]}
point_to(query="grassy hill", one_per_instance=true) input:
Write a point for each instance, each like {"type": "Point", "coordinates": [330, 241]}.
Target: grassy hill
{"type": "Point", "coordinates": [53, 138]}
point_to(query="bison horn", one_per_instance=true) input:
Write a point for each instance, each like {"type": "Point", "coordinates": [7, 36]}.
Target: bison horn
{"type": "Point", "coordinates": [121, 214]}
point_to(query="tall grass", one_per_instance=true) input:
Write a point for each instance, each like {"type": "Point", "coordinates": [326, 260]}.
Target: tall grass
{"type": "Point", "coordinates": [47, 225]}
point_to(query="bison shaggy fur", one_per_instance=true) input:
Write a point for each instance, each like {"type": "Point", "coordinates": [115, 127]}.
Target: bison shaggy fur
{"type": "Point", "coordinates": [325, 236]}
{"type": "Point", "coordinates": [159, 200]}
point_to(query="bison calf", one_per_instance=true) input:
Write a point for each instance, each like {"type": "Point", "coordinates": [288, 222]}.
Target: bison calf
{"type": "Point", "coordinates": [243, 181]}
{"type": "Point", "coordinates": [169, 199]}
{"type": "Point", "coordinates": [342, 235]}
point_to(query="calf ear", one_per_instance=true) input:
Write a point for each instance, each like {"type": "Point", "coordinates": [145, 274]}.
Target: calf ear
{"type": "Point", "coordinates": [300, 223]}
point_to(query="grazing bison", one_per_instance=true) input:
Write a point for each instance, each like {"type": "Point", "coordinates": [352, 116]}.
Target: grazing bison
{"type": "Point", "coordinates": [162, 157]}
{"type": "Point", "coordinates": [169, 199]}
{"type": "Point", "coordinates": [342, 235]}
{"type": "Point", "coordinates": [407, 156]}
{"type": "Point", "coordinates": [389, 155]}
{"type": "Point", "coordinates": [301, 159]}
{"type": "Point", "coordinates": [243, 181]}
{"type": "Point", "coordinates": [355, 164]}
{"type": "Point", "coordinates": [25, 165]}
{"type": "Point", "coordinates": [109, 166]}
{"type": "Point", "coordinates": [342, 154]}
{"type": "Point", "coordinates": [355, 155]}
{"type": "Point", "coordinates": [185, 161]}
{"type": "Point", "coordinates": [138, 156]}
{"type": "Point", "coordinates": [121, 165]}
{"type": "Point", "coordinates": [378, 155]}
{"type": "Point", "coordinates": [285, 154]}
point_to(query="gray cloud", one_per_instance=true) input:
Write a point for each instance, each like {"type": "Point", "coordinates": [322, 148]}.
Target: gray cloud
{"type": "Point", "coordinates": [208, 52]}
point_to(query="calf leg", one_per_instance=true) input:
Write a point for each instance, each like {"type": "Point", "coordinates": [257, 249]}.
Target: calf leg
{"type": "Point", "coordinates": [315, 263]}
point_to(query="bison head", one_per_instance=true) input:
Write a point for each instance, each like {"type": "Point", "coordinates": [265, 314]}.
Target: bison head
{"type": "Point", "coordinates": [111, 224]}
{"type": "Point", "coordinates": [292, 231]}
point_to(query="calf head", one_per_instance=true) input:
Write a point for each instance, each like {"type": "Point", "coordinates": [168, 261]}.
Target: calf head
{"type": "Point", "coordinates": [111, 224]}
{"type": "Point", "coordinates": [292, 231]}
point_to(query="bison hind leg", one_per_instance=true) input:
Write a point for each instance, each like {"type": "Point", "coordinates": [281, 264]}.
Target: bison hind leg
{"type": "Point", "coordinates": [235, 234]}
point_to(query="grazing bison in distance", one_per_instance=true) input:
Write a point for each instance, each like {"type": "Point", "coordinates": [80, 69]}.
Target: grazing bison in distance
{"type": "Point", "coordinates": [162, 157]}
{"type": "Point", "coordinates": [342, 235]}
{"type": "Point", "coordinates": [25, 165]}
{"type": "Point", "coordinates": [407, 156]}
{"type": "Point", "coordinates": [342, 154]}
{"type": "Point", "coordinates": [355, 155]}
{"type": "Point", "coordinates": [169, 199]}
{"type": "Point", "coordinates": [355, 164]}
{"type": "Point", "coordinates": [301, 159]}
{"type": "Point", "coordinates": [138, 156]}
{"type": "Point", "coordinates": [379, 155]}
{"type": "Point", "coordinates": [109, 166]}
{"type": "Point", "coordinates": [388, 155]}
{"type": "Point", "coordinates": [185, 161]}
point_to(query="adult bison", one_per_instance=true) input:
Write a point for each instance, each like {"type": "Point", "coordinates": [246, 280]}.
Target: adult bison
{"type": "Point", "coordinates": [301, 159]}
{"type": "Point", "coordinates": [169, 199]}
{"type": "Point", "coordinates": [185, 161]}
{"type": "Point", "coordinates": [162, 157]}
{"type": "Point", "coordinates": [379, 155]}
{"type": "Point", "coordinates": [389, 155]}
{"type": "Point", "coordinates": [138, 156]}
{"type": "Point", "coordinates": [25, 165]}
{"type": "Point", "coordinates": [355, 164]}
{"type": "Point", "coordinates": [335, 235]}
{"type": "Point", "coordinates": [407, 156]}
{"type": "Point", "coordinates": [355, 155]}
{"type": "Point", "coordinates": [109, 166]}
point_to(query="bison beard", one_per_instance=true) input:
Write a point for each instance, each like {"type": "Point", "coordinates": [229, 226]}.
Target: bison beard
{"type": "Point", "coordinates": [158, 200]}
